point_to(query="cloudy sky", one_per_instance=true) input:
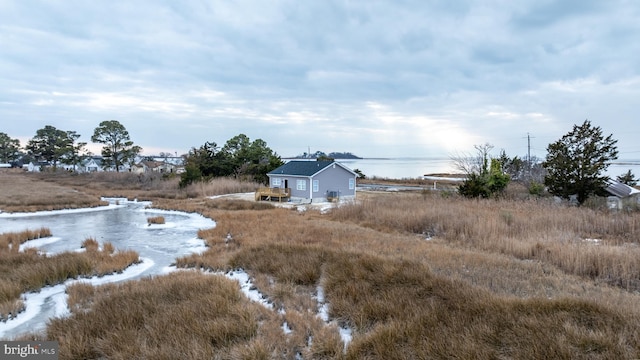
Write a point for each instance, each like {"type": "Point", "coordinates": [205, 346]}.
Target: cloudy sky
{"type": "Point", "coordinates": [375, 78]}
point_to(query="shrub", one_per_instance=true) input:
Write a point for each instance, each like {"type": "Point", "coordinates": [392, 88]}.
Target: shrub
{"type": "Point", "coordinates": [536, 188]}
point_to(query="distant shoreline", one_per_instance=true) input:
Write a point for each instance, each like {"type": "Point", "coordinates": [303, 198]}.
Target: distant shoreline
{"type": "Point", "coordinates": [376, 158]}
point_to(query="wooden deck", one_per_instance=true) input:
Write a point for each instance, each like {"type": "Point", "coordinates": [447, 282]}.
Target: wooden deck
{"type": "Point", "coordinates": [272, 194]}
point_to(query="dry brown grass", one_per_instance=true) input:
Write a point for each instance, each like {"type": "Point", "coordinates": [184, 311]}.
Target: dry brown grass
{"type": "Point", "coordinates": [532, 230]}
{"type": "Point", "coordinates": [155, 220]}
{"type": "Point", "coordinates": [297, 250]}
{"type": "Point", "coordinates": [27, 192]}
{"type": "Point", "coordinates": [107, 260]}
{"type": "Point", "coordinates": [22, 193]}
{"type": "Point", "coordinates": [495, 279]}
{"type": "Point", "coordinates": [12, 241]}
{"type": "Point", "coordinates": [122, 184]}
{"type": "Point", "coordinates": [220, 186]}
{"type": "Point", "coordinates": [29, 271]}
{"type": "Point", "coordinates": [185, 315]}
{"type": "Point", "coordinates": [403, 311]}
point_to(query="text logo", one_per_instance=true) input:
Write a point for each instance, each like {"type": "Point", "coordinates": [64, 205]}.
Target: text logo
{"type": "Point", "coordinates": [32, 350]}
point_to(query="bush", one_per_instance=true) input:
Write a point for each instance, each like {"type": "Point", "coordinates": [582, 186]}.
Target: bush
{"type": "Point", "coordinates": [536, 188]}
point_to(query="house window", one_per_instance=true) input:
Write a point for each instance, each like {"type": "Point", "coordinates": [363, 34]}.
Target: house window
{"type": "Point", "coordinates": [352, 183]}
{"type": "Point", "coordinates": [276, 182]}
{"type": "Point", "coordinates": [316, 185]}
{"type": "Point", "coordinates": [301, 185]}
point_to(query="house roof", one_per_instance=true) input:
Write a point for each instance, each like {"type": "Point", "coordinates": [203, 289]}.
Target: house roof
{"type": "Point", "coordinates": [95, 160]}
{"type": "Point", "coordinates": [151, 163]}
{"type": "Point", "coordinates": [304, 168]}
{"type": "Point", "coordinates": [620, 190]}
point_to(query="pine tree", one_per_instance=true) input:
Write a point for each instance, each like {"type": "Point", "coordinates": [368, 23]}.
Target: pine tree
{"type": "Point", "coordinates": [576, 163]}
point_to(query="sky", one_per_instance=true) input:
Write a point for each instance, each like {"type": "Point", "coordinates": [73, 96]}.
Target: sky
{"type": "Point", "coordinates": [397, 78]}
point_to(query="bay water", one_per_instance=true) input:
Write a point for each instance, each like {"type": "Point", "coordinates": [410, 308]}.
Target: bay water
{"type": "Point", "coordinates": [417, 167]}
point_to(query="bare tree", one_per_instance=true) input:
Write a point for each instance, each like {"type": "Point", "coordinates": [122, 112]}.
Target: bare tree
{"type": "Point", "coordinates": [474, 163]}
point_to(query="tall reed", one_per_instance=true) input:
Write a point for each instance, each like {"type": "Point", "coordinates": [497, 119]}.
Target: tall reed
{"type": "Point", "coordinates": [539, 230]}
{"type": "Point", "coordinates": [11, 241]}
{"type": "Point", "coordinates": [220, 186]}
{"type": "Point", "coordinates": [181, 315]}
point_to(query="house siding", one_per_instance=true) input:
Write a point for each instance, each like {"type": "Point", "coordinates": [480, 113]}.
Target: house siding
{"type": "Point", "coordinates": [292, 184]}
{"type": "Point", "coordinates": [332, 178]}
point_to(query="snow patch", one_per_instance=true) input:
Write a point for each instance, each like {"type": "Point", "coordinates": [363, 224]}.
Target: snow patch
{"type": "Point", "coordinates": [593, 241]}
{"type": "Point", "coordinates": [247, 287]}
{"type": "Point", "coordinates": [323, 313]}
{"type": "Point", "coordinates": [167, 225]}
{"type": "Point", "coordinates": [286, 329]}
{"type": "Point", "coordinates": [38, 242]}
{"type": "Point", "coordinates": [58, 212]}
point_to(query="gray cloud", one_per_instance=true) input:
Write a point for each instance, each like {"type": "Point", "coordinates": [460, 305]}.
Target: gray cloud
{"type": "Point", "coordinates": [377, 78]}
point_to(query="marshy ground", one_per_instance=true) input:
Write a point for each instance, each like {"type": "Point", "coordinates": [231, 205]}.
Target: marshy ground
{"type": "Point", "coordinates": [419, 274]}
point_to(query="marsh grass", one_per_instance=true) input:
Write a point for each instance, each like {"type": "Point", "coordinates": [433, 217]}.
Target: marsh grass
{"type": "Point", "coordinates": [155, 220]}
{"type": "Point", "coordinates": [225, 204]}
{"type": "Point", "coordinates": [530, 230]}
{"type": "Point", "coordinates": [185, 315]}
{"type": "Point", "coordinates": [90, 245]}
{"type": "Point", "coordinates": [11, 241]}
{"type": "Point", "coordinates": [220, 186]}
{"type": "Point", "coordinates": [483, 279]}
{"type": "Point", "coordinates": [21, 193]}
{"type": "Point", "coordinates": [414, 275]}
{"type": "Point", "coordinates": [118, 184]}
{"type": "Point", "coordinates": [394, 303]}
{"type": "Point", "coordinates": [27, 192]}
{"type": "Point", "coordinates": [29, 270]}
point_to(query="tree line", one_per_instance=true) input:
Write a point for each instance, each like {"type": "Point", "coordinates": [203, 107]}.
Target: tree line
{"type": "Point", "coordinates": [239, 156]}
{"type": "Point", "coordinates": [575, 165]}
{"type": "Point", "coordinates": [55, 146]}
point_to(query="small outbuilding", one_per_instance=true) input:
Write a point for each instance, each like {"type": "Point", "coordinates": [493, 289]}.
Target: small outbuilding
{"type": "Point", "coordinates": [312, 181]}
{"type": "Point", "coordinates": [622, 196]}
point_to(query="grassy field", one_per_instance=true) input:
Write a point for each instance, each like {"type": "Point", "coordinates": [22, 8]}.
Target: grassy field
{"type": "Point", "coordinates": [414, 275]}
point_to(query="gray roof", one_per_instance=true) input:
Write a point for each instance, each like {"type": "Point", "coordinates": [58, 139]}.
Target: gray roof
{"type": "Point", "coordinates": [301, 168]}
{"type": "Point", "coordinates": [619, 189]}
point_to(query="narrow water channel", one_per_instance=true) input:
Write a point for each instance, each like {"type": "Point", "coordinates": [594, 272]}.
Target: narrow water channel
{"type": "Point", "coordinates": [122, 223]}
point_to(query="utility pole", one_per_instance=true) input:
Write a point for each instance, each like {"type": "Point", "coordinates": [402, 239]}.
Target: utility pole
{"type": "Point", "coordinates": [529, 154]}
{"type": "Point", "coordinates": [529, 149]}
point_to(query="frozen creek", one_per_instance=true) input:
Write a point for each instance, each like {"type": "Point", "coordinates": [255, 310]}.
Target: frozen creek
{"type": "Point", "coordinates": [124, 224]}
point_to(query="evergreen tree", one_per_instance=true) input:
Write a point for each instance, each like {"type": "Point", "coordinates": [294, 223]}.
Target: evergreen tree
{"type": "Point", "coordinates": [9, 148]}
{"type": "Point", "coordinates": [576, 163]}
{"type": "Point", "coordinates": [77, 151]}
{"type": "Point", "coordinates": [628, 178]}
{"type": "Point", "coordinates": [51, 145]}
{"type": "Point", "coordinates": [118, 148]}
{"type": "Point", "coordinates": [239, 157]}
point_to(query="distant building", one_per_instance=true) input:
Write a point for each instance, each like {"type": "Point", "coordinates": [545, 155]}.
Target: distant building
{"type": "Point", "coordinates": [92, 164]}
{"type": "Point", "coordinates": [622, 195]}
